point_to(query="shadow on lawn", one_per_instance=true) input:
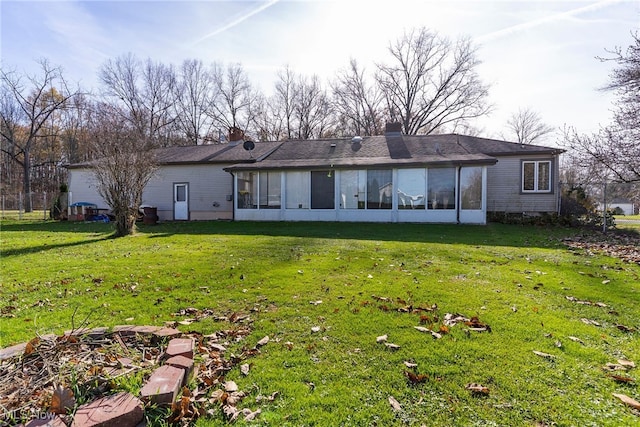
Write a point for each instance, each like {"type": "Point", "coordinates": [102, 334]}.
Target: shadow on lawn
{"type": "Point", "coordinates": [47, 247]}
{"type": "Point", "coordinates": [490, 234]}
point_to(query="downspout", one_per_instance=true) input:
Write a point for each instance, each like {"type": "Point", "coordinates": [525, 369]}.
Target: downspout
{"type": "Point", "coordinates": [458, 196]}
{"type": "Point", "coordinates": [233, 194]}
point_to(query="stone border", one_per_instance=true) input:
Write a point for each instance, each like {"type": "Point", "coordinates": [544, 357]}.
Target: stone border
{"type": "Point", "coordinates": [123, 409]}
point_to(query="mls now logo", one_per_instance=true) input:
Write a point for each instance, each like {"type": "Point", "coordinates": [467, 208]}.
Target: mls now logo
{"type": "Point", "coordinates": [11, 416]}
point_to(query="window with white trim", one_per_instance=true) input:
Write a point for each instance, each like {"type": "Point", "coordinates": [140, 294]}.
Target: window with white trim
{"type": "Point", "coordinates": [536, 176]}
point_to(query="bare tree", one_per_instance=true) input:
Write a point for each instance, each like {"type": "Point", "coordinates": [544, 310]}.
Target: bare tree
{"type": "Point", "coordinates": [145, 91]}
{"type": "Point", "coordinates": [312, 108]}
{"type": "Point", "coordinates": [615, 149]}
{"type": "Point", "coordinates": [431, 82]}
{"type": "Point", "coordinates": [124, 164]}
{"type": "Point", "coordinates": [29, 104]}
{"type": "Point", "coordinates": [284, 99]}
{"type": "Point", "coordinates": [527, 126]}
{"type": "Point", "coordinates": [194, 94]}
{"type": "Point", "coordinates": [235, 102]}
{"type": "Point", "coordinates": [358, 105]}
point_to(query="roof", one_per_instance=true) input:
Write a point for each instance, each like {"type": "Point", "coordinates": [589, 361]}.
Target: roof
{"type": "Point", "coordinates": [391, 149]}
{"type": "Point", "coordinates": [205, 154]}
{"type": "Point", "coordinates": [384, 150]}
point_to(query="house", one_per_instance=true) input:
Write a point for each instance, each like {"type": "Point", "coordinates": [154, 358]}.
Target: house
{"type": "Point", "coordinates": [389, 178]}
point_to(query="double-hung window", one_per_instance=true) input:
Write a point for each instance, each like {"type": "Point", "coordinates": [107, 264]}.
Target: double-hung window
{"type": "Point", "coordinates": [536, 176]}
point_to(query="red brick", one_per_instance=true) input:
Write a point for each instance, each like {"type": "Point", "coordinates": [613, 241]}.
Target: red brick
{"type": "Point", "coordinates": [163, 385]}
{"type": "Point", "coordinates": [184, 363]}
{"type": "Point", "coordinates": [180, 347]}
{"type": "Point", "coordinates": [119, 410]}
{"type": "Point", "coordinates": [54, 421]}
{"type": "Point", "coordinates": [14, 350]}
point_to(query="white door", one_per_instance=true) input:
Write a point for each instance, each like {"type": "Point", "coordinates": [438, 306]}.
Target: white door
{"type": "Point", "coordinates": [180, 202]}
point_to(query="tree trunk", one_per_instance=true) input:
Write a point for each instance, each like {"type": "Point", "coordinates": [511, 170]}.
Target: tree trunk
{"type": "Point", "coordinates": [26, 182]}
{"type": "Point", "coordinates": [125, 223]}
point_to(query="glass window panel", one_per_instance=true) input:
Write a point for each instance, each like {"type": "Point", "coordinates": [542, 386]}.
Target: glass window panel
{"type": "Point", "coordinates": [353, 189]}
{"type": "Point", "coordinates": [412, 188]}
{"type": "Point", "coordinates": [544, 180]}
{"type": "Point", "coordinates": [270, 194]}
{"type": "Point", "coordinates": [247, 190]}
{"type": "Point", "coordinates": [379, 189]}
{"type": "Point", "coordinates": [471, 188]}
{"type": "Point", "coordinates": [322, 190]}
{"type": "Point", "coordinates": [297, 190]}
{"type": "Point", "coordinates": [442, 188]}
{"type": "Point", "coordinates": [181, 193]}
{"type": "Point", "coordinates": [529, 176]}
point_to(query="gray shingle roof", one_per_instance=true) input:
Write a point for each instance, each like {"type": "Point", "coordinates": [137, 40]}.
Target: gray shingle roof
{"type": "Point", "coordinates": [390, 149]}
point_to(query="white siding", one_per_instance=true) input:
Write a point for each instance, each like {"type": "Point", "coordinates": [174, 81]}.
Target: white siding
{"type": "Point", "coordinates": [83, 188]}
{"type": "Point", "coordinates": [504, 185]}
{"type": "Point", "coordinates": [208, 185]}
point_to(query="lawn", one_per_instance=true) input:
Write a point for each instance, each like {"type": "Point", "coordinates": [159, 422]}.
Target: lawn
{"type": "Point", "coordinates": [324, 292]}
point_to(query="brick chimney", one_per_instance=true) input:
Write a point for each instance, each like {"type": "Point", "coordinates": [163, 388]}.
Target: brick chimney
{"type": "Point", "coordinates": [393, 127]}
{"type": "Point", "coordinates": [235, 134]}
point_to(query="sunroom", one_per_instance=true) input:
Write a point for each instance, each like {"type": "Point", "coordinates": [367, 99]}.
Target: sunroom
{"type": "Point", "coordinates": [435, 193]}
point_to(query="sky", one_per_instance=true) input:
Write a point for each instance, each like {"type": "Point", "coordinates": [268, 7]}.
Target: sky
{"type": "Point", "coordinates": [540, 55]}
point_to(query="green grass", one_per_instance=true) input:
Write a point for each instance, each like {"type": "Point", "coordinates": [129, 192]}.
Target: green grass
{"type": "Point", "coordinates": [515, 279]}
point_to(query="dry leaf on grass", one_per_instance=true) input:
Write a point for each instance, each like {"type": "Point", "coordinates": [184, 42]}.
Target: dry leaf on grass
{"type": "Point", "coordinates": [545, 355]}
{"type": "Point", "coordinates": [622, 379]}
{"type": "Point", "coordinates": [263, 341]}
{"type": "Point", "coordinates": [415, 378]}
{"type": "Point", "coordinates": [61, 400]}
{"type": "Point", "coordinates": [392, 346]}
{"type": "Point", "coordinates": [382, 338]}
{"type": "Point", "coordinates": [244, 369]}
{"type": "Point", "coordinates": [626, 363]}
{"type": "Point", "coordinates": [477, 388]}
{"type": "Point", "coordinates": [395, 404]}
{"type": "Point", "coordinates": [628, 400]}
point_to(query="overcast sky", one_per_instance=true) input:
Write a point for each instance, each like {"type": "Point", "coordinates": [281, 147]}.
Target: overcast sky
{"type": "Point", "coordinates": [535, 54]}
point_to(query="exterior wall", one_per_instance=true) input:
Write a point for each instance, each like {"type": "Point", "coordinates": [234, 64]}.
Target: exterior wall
{"type": "Point", "coordinates": [209, 185]}
{"type": "Point", "coordinates": [83, 188]}
{"type": "Point", "coordinates": [504, 187]}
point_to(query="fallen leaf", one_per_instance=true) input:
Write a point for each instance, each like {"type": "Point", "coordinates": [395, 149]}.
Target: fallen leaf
{"type": "Point", "coordinates": [230, 386]}
{"type": "Point", "coordinates": [31, 346]}
{"type": "Point", "coordinates": [61, 400]}
{"type": "Point", "coordinates": [626, 363]}
{"type": "Point", "coordinates": [436, 335]}
{"type": "Point", "coordinates": [391, 346]}
{"type": "Point", "coordinates": [622, 379]}
{"type": "Point", "coordinates": [576, 339]}
{"type": "Point", "coordinates": [250, 415]}
{"type": "Point", "coordinates": [263, 341]}
{"type": "Point", "coordinates": [422, 329]}
{"type": "Point", "coordinates": [382, 338]}
{"type": "Point", "coordinates": [395, 404]}
{"type": "Point", "coordinates": [477, 388]}
{"type": "Point", "coordinates": [244, 369]}
{"type": "Point", "coordinates": [289, 345]}
{"type": "Point", "coordinates": [415, 378]}
{"type": "Point", "coordinates": [624, 328]}
{"type": "Point", "coordinates": [628, 400]}
{"type": "Point", "coordinates": [315, 302]}
{"type": "Point", "coordinates": [545, 355]}
{"type": "Point", "coordinates": [410, 364]}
